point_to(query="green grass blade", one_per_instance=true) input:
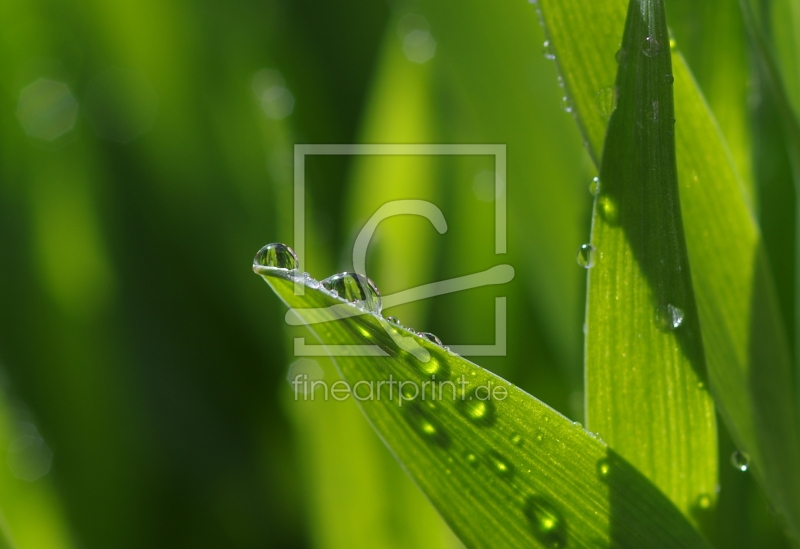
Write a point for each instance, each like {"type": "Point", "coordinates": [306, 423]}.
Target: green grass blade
{"type": "Point", "coordinates": [746, 352]}
{"type": "Point", "coordinates": [505, 473]}
{"type": "Point", "coordinates": [644, 352]}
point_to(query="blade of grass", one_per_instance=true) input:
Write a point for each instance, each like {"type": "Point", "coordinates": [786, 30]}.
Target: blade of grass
{"type": "Point", "coordinates": [506, 471]}
{"type": "Point", "coordinates": [746, 351]}
{"type": "Point", "coordinates": [644, 352]}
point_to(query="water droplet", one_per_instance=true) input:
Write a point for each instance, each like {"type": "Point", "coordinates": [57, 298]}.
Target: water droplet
{"type": "Point", "coordinates": [585, 256]}
{"type": "Point", "coordinates": [560, 81]}
{"type": "Point", "coordinates": [650, 46]}
{"type": "Point", "coordinates": [603, 468]}
{"type": "Point", "coordinates": [668, 317]}
{"type": "Point", "coordinates": [430, 337]}
{"type": "Point", "coordinates": [740, 460]}
{"type": "Point", "coordinates": [620, 56]}
{"type": "Point", "coordinates": [704, 502]}
{"type": "Point", "coordinates": [426, 425]}
{"type": "Point", "coordinates": [608, 209]}
{"type": "Point", "coordinates": [548, 525]}
{"type": "Point", "coordinates": [701, 385]}
{"type": "Point", "coordinates": [547, 50]}
{"type": "Point", "coordinates": [539, 436]}
{"type": "Point", "coordinates": [655, 111]}
{"type": "Point", "coordinates": [594, 186]}
{"type": "Point", "coordinates": [516, 439]}
{"type": "Point", "coordinates": [672, 43]}
{"type": "Point", "coordinates": [499, 465]}
{"type": "Point", "coordinates": [276, 256]}
{"type": "Point", "coordinates": [471, 458]}
{"type": "Point", "coordinates": [566, 105]}
{"type": "Point", "coordinates": [477, 407]}
{"type": "Point", "coordinates": [606, 100]}
{"type": "Point", "coordinates": [393, 320]}
{"type": "Point", "coordinates": [669, 79]}
{"type": "Point", "coordinates": [355, 288]}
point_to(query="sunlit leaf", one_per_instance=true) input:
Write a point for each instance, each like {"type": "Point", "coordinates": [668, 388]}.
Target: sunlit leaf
{"type": "Point", "coordinates": [504, 469]}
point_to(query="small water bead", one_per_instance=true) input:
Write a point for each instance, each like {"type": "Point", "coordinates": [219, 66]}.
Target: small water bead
{"type": "Point", "coordinates": [548, 524]}
{"type": "Point", "coordinates": [500, 465]}
{"type": "Point", "coordinates": [480, 411]}
{"type": "Point", "coordinates": [672, 43]}
{"type": "Point", "coordinates": [606, 100]}
{"type": "Point", "coordinates": [471, 458]}
{"type": "Point", "coordinates": [650, 46]}
{"type": "Point", "coordinates": [603, 468]}
{"type": "Point", "coordinates": [566, 104]}
{"type": "Point", "coordinates": [426, 425]}
{"type": "Point", "coordinates": [585, 256]}
{"type": "Point", "coordinates": [704, 502]}
{"type": "Point", "coordinates": [669, 79]}
{"type": "Point", "coordinates": [432, 338]}
{"type": "Point", "coordinates": [310, 282]}
{"type": "Point", "coordinates": [594, 186]}
{"type": "Point", "coordinates": [276, 256]}
{"type": "Point", "coordinates": [547, 50]}
{"type": "Point", "coordinates": [516, 439]}
{"type": "Point", "coordinates": [620, 56]}
{"type": "Point", "coordinates": [393, 320]}
{"type": "Point", "coordinates": [608, 209]}
{"type": "Point", "coordinates": [740, 460]}
{"type": "Point", "coordinates": [669, 317]}
{"type": "Point", "coordinates": [355, 288]}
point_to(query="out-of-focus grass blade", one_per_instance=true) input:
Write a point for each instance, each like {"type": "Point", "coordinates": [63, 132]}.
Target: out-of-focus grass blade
{"type": "Point", "coordinates": [644, 352]}
{"type": "Point", "coordinates": [506, 471]}
{"type": "Point", "coordinates": [746, 352]}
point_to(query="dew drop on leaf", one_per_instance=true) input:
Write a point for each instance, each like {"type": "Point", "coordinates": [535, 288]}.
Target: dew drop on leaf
{"type": "Point", "coordinates": [669, 79]}
{"type": "Point", "coordinates": [704, 502]}
{"type": "Point", "coordinates": [500, 465]}
{"type": "Point", "coordinates": [594, 186]}
{"type": "Point", "coordinates": [603, 468]}
{"type": "Point", "coordinates": [566, 104]}
{"type": "Point", "coordinates": [276, 256]}
{"type": "Point", "coordinates": [606, 100]}
{"type": "Point", "coordinates": [430, 337]}
{"type": "Point", "coordinates": [547, 50]}
{"type": "Point", "coordinates": [585, 256]}
{"type": "Point", "coordinates": [355, 288]}
{"type": "Point", "coordinates": [668, 317]}
{"type": "Point", "coordinates": [620, 56]}
{"type": "Point", "coordinates": [650, 46]}
{"type": "Point", "coordinates": [740, 460]}
{"type": "Point", "coordinates": [548, 524]}
{"type": "Point", "coordinates": [608, 210]}
{"type": "Point", "coordinates": [478, 410]}
{"type": "Point", "coordinates": [426, 425]}
{"type": "Point", "coordinates": [393, 320]}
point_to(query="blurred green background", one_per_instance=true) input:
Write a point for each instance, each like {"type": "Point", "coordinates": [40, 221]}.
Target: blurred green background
{"type": "Point", "coordinates": [146, 154]}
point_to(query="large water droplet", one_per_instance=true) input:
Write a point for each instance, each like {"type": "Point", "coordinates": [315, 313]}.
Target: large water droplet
{"type": "Point", "coordinates": [276, 256]}
{"type": "Point", "coordinates": [355, 288]}
{"type": "Point", "coordinates": [548, 524]}
{"type": "Point", "coordinates": [585, 256]}
{"type": "Point", "coordinates": [740, 460]}
{"type": "Point", "coordinates": [430, 337]}
{"type": "Point", "coordinates": [500, 465]}
{"type": "Point", "coordinates": [477, 407]}
{"type": "Point", "coordinates": [606, 100]}
{"type": "Point", "coordinates": [650, 46]}
{"type": "Point", "coordinates": [668, 317]}
{"type": "Point", "coordinates": [547, 50]}
{"type": "Point", "coordinates": [594, 186]}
